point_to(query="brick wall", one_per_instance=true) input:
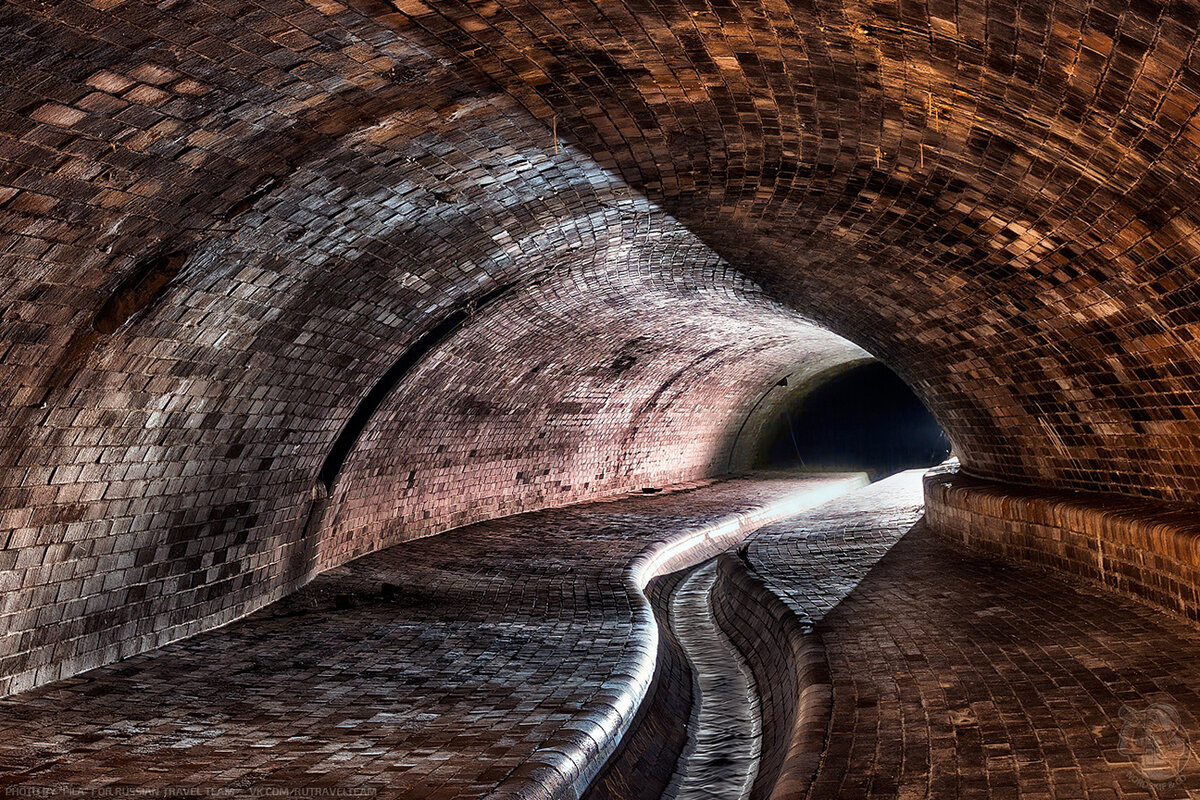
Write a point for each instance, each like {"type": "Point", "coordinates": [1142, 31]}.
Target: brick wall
{"type": "Point", "coordinates": [563, 393]}
{"type": "Point", "coordinates": [792, 674]}
{"type": "Point", "coordinates": [224, 226]}
{"type": "Point", "coordinates": [223, 223]}
{"type": "Point", "coordinates": [1150, 551]}
{"type": "Point", "coordinates": [999, 200]}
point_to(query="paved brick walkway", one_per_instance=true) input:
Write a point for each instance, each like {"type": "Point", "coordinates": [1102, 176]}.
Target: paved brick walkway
{"type": "Point", "coordinates": [442, 668]}
{"type": "Point", "coordinates": [434, 669]}
{"type": "Point", "coordinates": [814, 560]}
{"type": "Point", "coordinates": [959, 677]}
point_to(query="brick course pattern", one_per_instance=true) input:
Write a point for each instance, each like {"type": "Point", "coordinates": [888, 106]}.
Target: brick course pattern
{"type": "Point", "coordinates": [813, 561]}
{"type": "Point", "coordinates": [792, 675]}
{"type": "Point", "coordinates": [221, 225]}
{"type": "Point", "coordinates": [957, 676]}
{"type": "Point", "coordinates": [644, 763]}
{"type": "Point", "coordinates": [1145, 550]}
{"type": "Point", "coordinates": [998, 199]}
{"type": "Point", "coordinates": [507, 665]}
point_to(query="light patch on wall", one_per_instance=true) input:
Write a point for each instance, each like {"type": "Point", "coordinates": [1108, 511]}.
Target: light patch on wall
{"type": "Point", "coordinates": [411, 280]}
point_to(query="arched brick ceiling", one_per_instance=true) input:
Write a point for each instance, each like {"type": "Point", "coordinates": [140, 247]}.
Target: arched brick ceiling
{"type": "Point", "coordinates": [517, 412]}
{"type": "Point", "coordinates": [237, 236]}
{"type": "Point", "coordinates": [997, 198]}
{"type": "Point", "coordinates": [225, 223]}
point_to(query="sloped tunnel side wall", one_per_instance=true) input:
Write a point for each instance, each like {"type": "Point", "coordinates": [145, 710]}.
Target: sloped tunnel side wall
{"type": "Point", "coordinates": [213, 253]}
{"type": "Point", "coordinates": [567, 392]}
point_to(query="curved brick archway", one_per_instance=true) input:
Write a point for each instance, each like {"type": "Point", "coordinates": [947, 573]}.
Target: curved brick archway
{"type": "Point", "coordinates": [257, 327]}
{"type": "Point", "coordinates": [999, 200]}
{"type": "Point", "coordinates": [226, 223]}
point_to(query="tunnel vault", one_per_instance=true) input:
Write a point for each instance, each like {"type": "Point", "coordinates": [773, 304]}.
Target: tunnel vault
{"type": "Point", "coordinates": [224, 222]}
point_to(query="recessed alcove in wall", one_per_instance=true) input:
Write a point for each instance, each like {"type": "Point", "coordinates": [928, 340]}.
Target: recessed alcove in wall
{"type": "Point", "coordinates": [861, 417]}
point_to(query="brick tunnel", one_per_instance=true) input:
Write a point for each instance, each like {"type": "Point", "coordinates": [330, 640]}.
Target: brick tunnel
{"type": "Point", "coordinates": [387, 383]}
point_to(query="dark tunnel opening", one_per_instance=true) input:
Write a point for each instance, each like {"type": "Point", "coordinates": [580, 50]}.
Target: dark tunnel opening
{"type": "Point", "coordinates": [863, 419]}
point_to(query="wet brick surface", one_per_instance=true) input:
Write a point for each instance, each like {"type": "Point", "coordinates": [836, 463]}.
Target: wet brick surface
{"type": "Point", "coordinates": [489, 643]}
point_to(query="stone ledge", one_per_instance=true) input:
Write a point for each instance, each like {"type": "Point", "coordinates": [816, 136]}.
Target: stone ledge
{"type": "Point", "coordinates": [1138, 548]}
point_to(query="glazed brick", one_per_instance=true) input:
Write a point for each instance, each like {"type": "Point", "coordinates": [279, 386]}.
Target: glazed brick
{"type": "Point", "coordinates": [1142, 549]}
{"type": "Point", "coordinates": [331, 215]}
{"type": "Point", "coordinates": [642, 765]}
{"type": "Point", "coordinates": [997, 199]}
{"type": "Point", "coordinates": [993, 198]}
{"type": "Point", "coordinates": [958, 675]}
{"type": "Point", "coordinates": [506, 659]}
{"type": "Point", "coordinates": [788, 662]}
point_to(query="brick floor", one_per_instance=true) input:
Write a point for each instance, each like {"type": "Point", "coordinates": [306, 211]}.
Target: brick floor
{"type": "Point", "coordinates": [954, 676]}
{"type": "Point", "coordinates": [814, 560]}
{"type": "Point", "coordinates": [958, 677]}
{"type": "Point", "coordinates": [433, 669]}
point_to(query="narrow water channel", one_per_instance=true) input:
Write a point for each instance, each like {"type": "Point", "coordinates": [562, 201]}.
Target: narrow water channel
{"type": "Point", "coordinates": [721, 760]}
